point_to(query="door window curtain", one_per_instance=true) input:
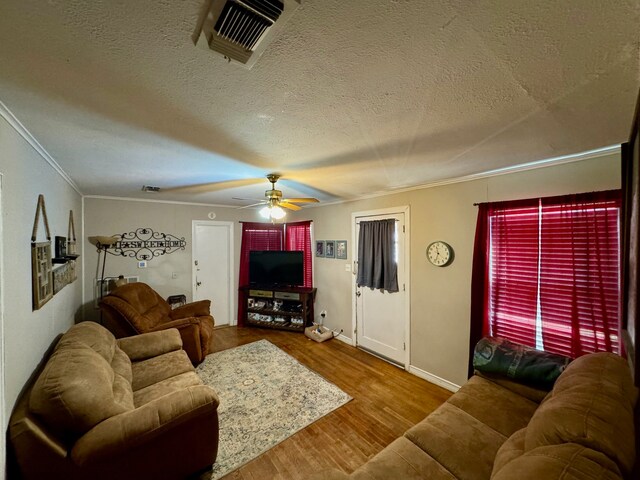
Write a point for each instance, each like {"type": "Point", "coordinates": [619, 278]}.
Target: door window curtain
{"type": "Point", "coordinates": [297, 236]}
{"type": "Point", "coordinates": [255, 236]}
{"type": "Point", "coordinates": [546, 273]}
{"type": "Point", "coordinates": [377, 267]}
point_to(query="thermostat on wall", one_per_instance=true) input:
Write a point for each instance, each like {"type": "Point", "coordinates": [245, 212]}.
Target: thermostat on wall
{"type": "Point", "coordinates": [142, 264]}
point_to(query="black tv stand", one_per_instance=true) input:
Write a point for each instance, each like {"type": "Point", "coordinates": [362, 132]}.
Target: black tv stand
{"type": "Point", "coordinates": [283, 308]}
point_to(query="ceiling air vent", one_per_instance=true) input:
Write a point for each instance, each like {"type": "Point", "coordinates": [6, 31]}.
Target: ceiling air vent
{"type": "Point", "coordinates": [241, 29]}
{"type": "Point", "coordinates": [150, 189]}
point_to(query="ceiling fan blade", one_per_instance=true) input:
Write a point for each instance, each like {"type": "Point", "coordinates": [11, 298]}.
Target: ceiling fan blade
{"type": "Point", "coordinates": [212, 186]}
{"type": "Point", "coordinates": [248, 199]}
{"type": "Point", "coordinates": [301, 200]}
{"type": "Point", "coordinates": [290, 206]}
{"type": "Point", "coordinates": [252, 205]}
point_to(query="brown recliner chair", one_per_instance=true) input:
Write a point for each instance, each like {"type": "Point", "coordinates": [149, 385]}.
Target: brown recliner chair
{"type": "Point", "coordinates": [137, 308]}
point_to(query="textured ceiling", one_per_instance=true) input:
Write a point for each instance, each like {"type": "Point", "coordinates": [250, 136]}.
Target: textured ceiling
{"type": "Point", "coordinates": [353, 98]}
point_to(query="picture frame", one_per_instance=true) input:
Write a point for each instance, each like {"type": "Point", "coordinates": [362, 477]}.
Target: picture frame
{"type": "Point", "coordinates": [329, 248]}
{"type": "Point", "coordinates": [341, 249]}
{"type": "Point", "coordinates": [319, 248]}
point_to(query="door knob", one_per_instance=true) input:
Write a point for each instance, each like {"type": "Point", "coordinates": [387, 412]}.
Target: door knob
{"type": "Point", "coordinates": [198, 284]}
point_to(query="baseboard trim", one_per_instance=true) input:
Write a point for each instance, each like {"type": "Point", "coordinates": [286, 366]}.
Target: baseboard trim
{"type": "Point", "coordinates": [430, 377]}
{"type": "Point", "coordinates": [344, 339]}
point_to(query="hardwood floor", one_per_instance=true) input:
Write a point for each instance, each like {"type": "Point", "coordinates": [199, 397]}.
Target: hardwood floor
{"type": "Point", "coordinates": [386, 402]}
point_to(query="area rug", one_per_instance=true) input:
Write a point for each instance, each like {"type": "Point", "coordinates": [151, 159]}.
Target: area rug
{"type": "Point", "coordinates": [265, 397]}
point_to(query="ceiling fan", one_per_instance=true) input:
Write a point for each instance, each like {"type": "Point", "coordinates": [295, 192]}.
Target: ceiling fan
{"type": "Point", "coordinates": [274, 203]}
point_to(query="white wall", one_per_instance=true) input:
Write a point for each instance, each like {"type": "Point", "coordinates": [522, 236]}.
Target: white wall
{"type": "Point", "coordinates": [28, 334]}
{"type": "Point", "coordinates": [440, 297]}
{"type": "Point", "coordinates": [111, 217]}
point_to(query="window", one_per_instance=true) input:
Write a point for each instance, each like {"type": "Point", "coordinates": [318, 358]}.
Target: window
{"type": "Point", "coordinates": [550, 272]}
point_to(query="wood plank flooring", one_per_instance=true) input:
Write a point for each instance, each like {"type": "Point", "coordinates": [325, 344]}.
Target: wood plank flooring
{"type": "Point", "coordinates": [386, 402]}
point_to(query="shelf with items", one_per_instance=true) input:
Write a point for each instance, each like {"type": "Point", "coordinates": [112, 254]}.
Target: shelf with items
{"type": "Point", "coordinates": [283, 308]}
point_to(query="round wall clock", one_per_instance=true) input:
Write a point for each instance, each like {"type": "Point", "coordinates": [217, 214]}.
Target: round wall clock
{"type": "Point", "coordinates": [440, 254]}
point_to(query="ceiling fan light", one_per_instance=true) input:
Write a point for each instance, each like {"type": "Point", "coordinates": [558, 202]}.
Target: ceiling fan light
{"type": "Point", "coordinates": [265, 212]}
{"type": "Point", "coordinates": [277, 212]}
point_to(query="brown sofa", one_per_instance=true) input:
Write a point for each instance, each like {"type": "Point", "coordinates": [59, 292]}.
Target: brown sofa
{"type": "Point", "coordinates": [137, 308]}
{"type": "Point", "coordinates": [103, 408]}
{"type": "Point", "coordinates": [493, 428]}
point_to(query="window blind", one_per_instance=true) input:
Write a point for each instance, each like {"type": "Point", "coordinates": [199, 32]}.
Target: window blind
{"type": "Point", "coordinates": [579, 276]}
{"type": "Point", "coordinates": [513, 275]}
{"type": "Point", "coordinates": [554, 271]}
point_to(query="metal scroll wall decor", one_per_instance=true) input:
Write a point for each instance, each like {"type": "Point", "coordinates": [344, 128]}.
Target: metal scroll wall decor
{"type": "Point", "coordinates": [145, 244]}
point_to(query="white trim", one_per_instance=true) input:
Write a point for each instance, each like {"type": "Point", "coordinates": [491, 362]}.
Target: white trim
{"type": "Point", "coordinates": [406, 210]}
{"type": "Point", "coordinates": [523, 167]}
{"type": "Point", "coordinates": [155, 200]}
{"type": "Point", "coordinates": [233, 305]}
{"type": "Point", "coordinates": [344, 339]}
{"type": "Point", "coordinates": [13, 121]}
{"type": "Point", "coordinates": [431, 378]}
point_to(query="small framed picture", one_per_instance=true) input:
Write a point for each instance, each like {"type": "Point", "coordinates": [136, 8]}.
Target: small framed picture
{"type": "Point", "coordinates": [319, 248]}
{"type": "Point", "coordinates": [329, 249]}
{"type": "Point", "coordinates": [341, 249]}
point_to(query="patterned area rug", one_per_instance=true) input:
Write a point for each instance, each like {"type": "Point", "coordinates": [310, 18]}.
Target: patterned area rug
{"type": "Point", "coordinates": [265, 397]}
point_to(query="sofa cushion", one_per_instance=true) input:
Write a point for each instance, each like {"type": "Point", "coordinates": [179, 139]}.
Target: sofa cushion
{"type": "Point", "coordinates": [592, 405]}
{"type": "Point", "coordinates": [165, 387]}
{"type": "Point", "coordinates": [560, 462]}
{"type": "Point", "coordinates": [402, 460]}
{"type": "Point", "coordinates": [77, 390]}
{"type": "Point", "coordinates": [92, 335]}
{"type": "Point", "coordinates": [463, 444]}
{"type": "Point", "coordinates": [495, 406]}
{"type": "Point", "coordinates": [510, 450]}
{"type": "Point", "coordinates": [154, 370]}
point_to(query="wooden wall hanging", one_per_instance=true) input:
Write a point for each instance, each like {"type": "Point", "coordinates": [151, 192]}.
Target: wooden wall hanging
{"type": "Point", "coordinates": [71, 238]}
{"type": "Point", "coordinates": [41, 265]}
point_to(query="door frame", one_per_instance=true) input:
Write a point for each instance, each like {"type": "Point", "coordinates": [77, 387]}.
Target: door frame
{"type": "Point", "coordinates": [407, 273]}
{"type": "Point", "coordinates": [233, 304]}
{"type": "Point", "coordinates": [3, 446]}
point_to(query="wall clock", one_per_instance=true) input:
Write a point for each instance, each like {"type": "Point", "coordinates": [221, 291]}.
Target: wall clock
{"type": "Point", "coordinates": [440, 253]}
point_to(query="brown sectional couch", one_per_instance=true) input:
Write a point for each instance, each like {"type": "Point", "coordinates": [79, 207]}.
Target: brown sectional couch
{"type": "Point", "coordinates": [103, 408]}
{"type": "Point", "coordinates": [493, 428]}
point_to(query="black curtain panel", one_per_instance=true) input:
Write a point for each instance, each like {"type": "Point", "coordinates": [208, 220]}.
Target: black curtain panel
{"type": "Point", "coordinates": [376, 263]}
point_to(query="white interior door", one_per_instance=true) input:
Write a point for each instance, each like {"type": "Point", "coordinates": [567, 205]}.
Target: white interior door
{"type": "Point", "coordinates": [213, 268]}
{"type": "Point", "coordinates": [381, 317]}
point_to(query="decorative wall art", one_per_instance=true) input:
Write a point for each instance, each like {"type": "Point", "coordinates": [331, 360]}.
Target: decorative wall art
{"type": "Point", "coordinates": [145, 244]}
{"type": "Point", "coordinates": [71, 238]}
{"type": "Point", "coordinates": [319, 248]}
{"type": "Point", "coordinates": [329, 249]}
{"type": "Point", "coordinates": [341, 249]}
{"type": "Point", "coordinates": [41, 265]}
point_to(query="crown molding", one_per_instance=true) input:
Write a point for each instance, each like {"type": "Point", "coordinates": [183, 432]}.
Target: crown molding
{"type": "Point", "coordinates": [13, 121]}
{"type": "Point", "coordinates": [155, 200]}
{"type": "Point", "coordinates": [523, 167]}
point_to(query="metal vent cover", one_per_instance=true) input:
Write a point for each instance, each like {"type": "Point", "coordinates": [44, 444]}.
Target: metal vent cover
{"type": "Point", "coordinates": [241, 29]}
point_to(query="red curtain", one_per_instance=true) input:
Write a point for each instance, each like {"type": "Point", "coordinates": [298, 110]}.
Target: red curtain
{"type": "Point", "coordinates": [503, 301]}
{"type": "Point", "coordinates": [298, 237]}
{"type": "Point", "coordinates": [579, 273]}
{"type": "Point", "coordinates": [546, 272]}
{"type": "Point", "coordinates": [255, 236]}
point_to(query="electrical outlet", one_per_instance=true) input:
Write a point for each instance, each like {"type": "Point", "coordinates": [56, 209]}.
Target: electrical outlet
{"type": "Point", "coordinates": [323, 313]}
{"type": "Point", "coordinates": [174, 275]}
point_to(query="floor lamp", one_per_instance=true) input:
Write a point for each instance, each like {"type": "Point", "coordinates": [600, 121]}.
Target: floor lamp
{"type": "Point", "coordinates": [103, 243]}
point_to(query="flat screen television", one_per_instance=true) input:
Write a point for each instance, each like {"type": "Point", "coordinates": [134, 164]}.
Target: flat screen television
{"type": "Point", "coordinates": [276, 268]}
